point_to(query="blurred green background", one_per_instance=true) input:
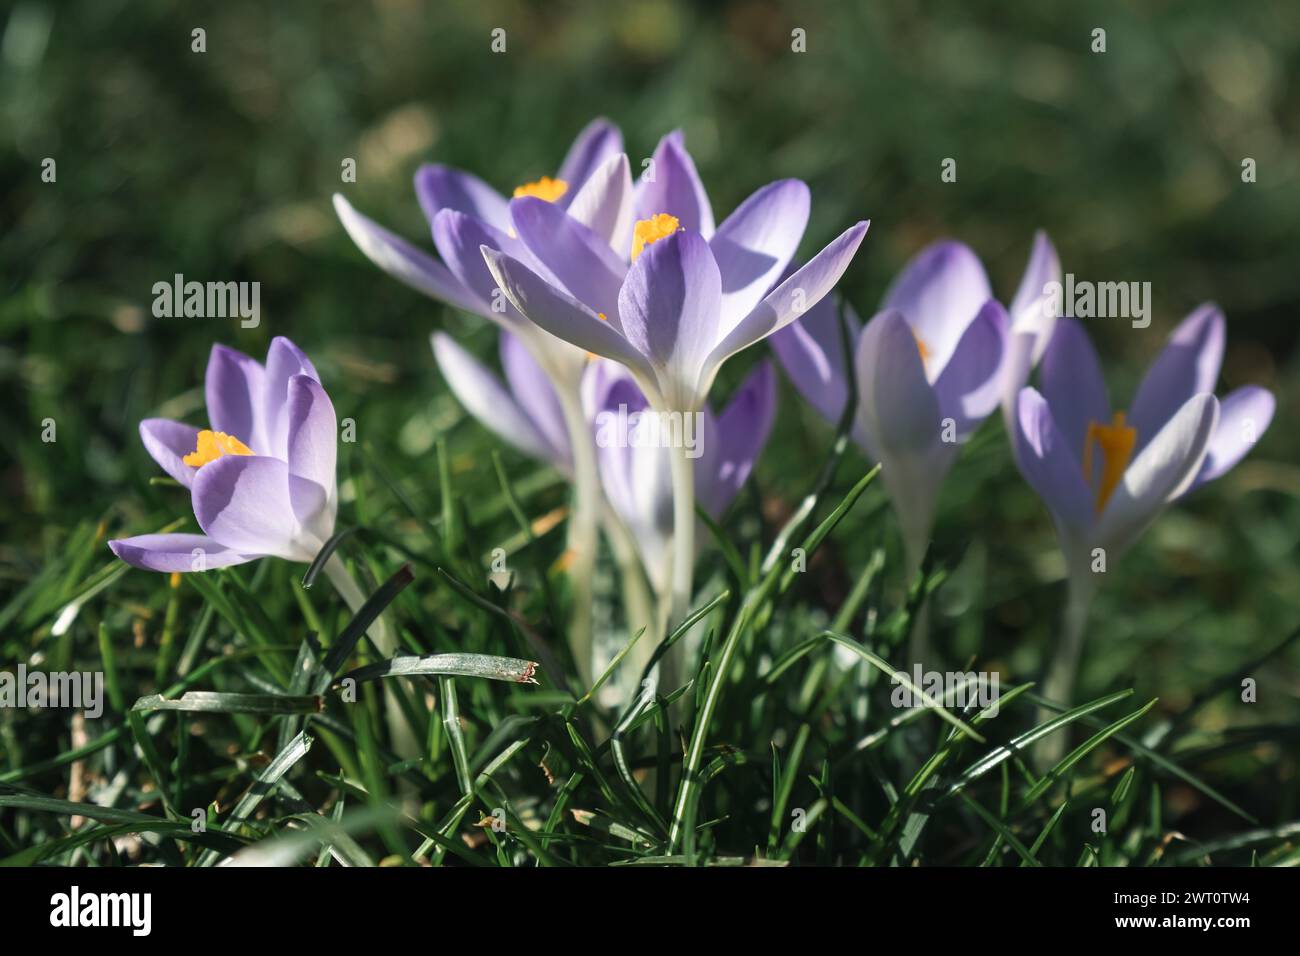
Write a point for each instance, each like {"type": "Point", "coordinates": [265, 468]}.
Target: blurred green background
{"type": "Point", "coordinates": [220, 166]}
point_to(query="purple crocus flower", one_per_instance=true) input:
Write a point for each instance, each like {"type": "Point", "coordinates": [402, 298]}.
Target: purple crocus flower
{"type": "Point", "coordinates": [261, 476]}
{"type": "Point", "coordinates": [1105, 475]}
{"type": "Point", "coordinates": [692, 296]}
{"type": "Point", "coordinates": [928, 369]}
{"type": "Point", "coordinates": [593, 187]}
{"type": "Point", "coordinates": [465, 213]}
{"type": "Point", "coordinates": [635, 467]}
{"type": "Point", "coordinates": [441, 188]}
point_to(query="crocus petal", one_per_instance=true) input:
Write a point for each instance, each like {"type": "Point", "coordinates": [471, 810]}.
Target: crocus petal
{"type": "Point", "coordinates": [1050, 466]}
{"type": "Point", "coordinates": [1244, 416]}
{"type": "Point", "coordinates": [791, 299]}
{"type": "Point", "coordinates": [1072, 384]}
{"type": "Point", "coordinates": [898, 418]}
{"type": "Point", "coordinates": [1162, 471]}
{"type": "Point", "coordinates": [896, 404]}
{"type": "Point", "coordinates": [740, 434]}
{"type": "Point", "coordinates": [441, 187]}
{"type": "Point", "coordinates": [403, 261]}
{"type": "Point", "coordinates": [1030, 310]}
{"type": "Point", "coordinates": [755, 243]}
{"type": "Point", "coordinates": [970, 385]}
{"type": "Point", "coordinates": [235, 388]}
{"type": "Point", "coordinates": [536, 396]}
{"type": "Point", "coordinates": [579, 259]}
{"type": "Point", "coordinates": [599, 140]}
{"type": "Point", "coordinates": [1188, 365]}
{"type": "Point", "coordinates": [168, 442]}
{"type": "Point", "coordinates": [812, 353]}
{"type": "Point", "coordinates": [635, 474]}
{"type": "Point", "coordinates": [243, 502]}
{"type": "Point", "coordinates": [1016, 366]}
{"type": "Point", "coordinates": [675, 188]}
{"type": "Point", "coordinates": [560, 314]}
{"type": "Point", "coordinates": [312, 455]}
{"type": "Point", "coordinates": [486, 399]}
{"type": "Point", "coordinates": [459, 238]}
{"type": "Point", "coordinates": [939, 292]}
{"type": "Point", "coordinates": [176, 552]}
{"type": "Point", "coordinates": [669, 310]}
{"type": "Point", "coordinates": [283, 361]}
{"type": "Point", "coordinates": [604, 204]}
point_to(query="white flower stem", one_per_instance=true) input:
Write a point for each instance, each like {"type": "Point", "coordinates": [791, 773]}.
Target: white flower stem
{"type": "Point", "coordinates": [919, 640]}
{"type": "Point", "coordinates": [1058, 685]}
{"type": "Point", "coordinates": [638, 606]}
{"type": "Point", "coordinates": [583, 528]}
{"type": "Point", "coordinates": [683, 551]}
{"type": "Point", "coordinates": [676, 604]}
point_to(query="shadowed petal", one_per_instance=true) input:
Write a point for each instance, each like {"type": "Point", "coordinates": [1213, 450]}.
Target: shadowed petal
{"type": "Point", "coordinates": [791, 299]}
{"type": "Point", "coordinates": [897, 407]}
{"type": "Point", "coordinates": [560, 314]}
{"type": "Point", "coordinates": [403, 261]}
{"type": "Point", "coordinates": [599, 140]}
{"type": "Point", "coordinates": [536, 397]}
{"type": "Point", "coordinates": [669, 309]}
{"type": "Point", "coordinates": [1072, 384]}
{"type": "Point", "coordinates": [234, 388]}
{"type": "Point", "coordinates": [486, 399]}
{"type": "Point", "coordinates": [1162, 471]}
{"type": "Point", "coordinates": [283, 361]}
{"type": "Point", "coordinates": [312, 455]}
{"type": "Point", "coordinates": [459, 238]}
{"type": "Point", "coordinates": [1244, 416]}
{"type": "Point", "coordinates": [812, 354]}
{"type": "Point", "coordinates": [579, 259]}
{"type": "Point", "coordinates": [176, 552]}
{"type": "Point", "coordinates": [243, 502]}
{"type": "Point", "coordinates": [441, 187]}
{"type": "Point", "coordinates": [755, 243]}
{"type": "Point", "coordinates": [168, 442]}
{"type": "Point", "coordinates": [1050, 466]}
{"type": "Point", "coordinates": [1188, 365]}
{"type": "Point", "coordinates": [635, 473]}
{"type": "Point", "coordinates": [739, 435]}
{"type": "Point", "coordinates": [676, 188]}
{"type": "Point", "coordinates": [970, 385]}
{"type": "Point", "coordinates": [604, 204]}
{"type": "Point", "coordinates": [939, 292]}
{"type": "Point", "coordinates": [898, 419]}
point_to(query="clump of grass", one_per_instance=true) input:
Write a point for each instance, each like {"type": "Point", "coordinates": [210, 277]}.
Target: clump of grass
{"type": "Point", "coordinates": [254, 705]}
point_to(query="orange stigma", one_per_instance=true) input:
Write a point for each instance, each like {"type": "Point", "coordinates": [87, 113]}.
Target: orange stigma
{"type": "Point", "coordinates": [1116, 442]}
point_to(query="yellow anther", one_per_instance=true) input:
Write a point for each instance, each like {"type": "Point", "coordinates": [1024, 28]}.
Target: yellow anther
{"type": "Point", "coordinates": [652, 230]}
{"type": "Point", "coordinates": [212, 445]}
{"type": "Point", "coordinates": [544, 188]}
{"type": "Point", "coordinates": [1116, 442]}
{"type": "Point", "coordinates": [922, 348]}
